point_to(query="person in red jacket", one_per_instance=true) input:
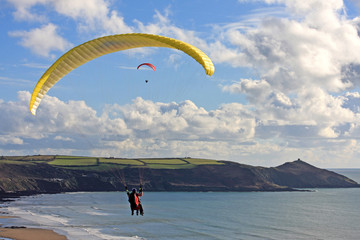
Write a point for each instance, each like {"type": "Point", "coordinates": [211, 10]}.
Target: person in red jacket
{"type": "Point", "coordinates": [134, 200]}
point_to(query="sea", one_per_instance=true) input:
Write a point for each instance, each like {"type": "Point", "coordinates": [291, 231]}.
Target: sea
{"type": "Point", "coordinates": [317, 214]}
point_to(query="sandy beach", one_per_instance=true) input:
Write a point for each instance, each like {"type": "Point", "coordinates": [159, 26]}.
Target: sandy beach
{"type": "Point", "coordinates": [22, 233]}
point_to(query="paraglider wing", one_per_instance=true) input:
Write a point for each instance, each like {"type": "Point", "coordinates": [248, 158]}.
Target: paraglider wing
{"type": "Point", "coordinates": [147, 64]}
{"type": "Point", "coordinates": [98, 47]}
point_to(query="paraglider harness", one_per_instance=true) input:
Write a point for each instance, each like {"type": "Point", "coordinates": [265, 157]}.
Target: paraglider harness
{"type": "Point", "coordinates": [134, 200]}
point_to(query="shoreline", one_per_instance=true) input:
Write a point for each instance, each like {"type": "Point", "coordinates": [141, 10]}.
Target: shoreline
{"type": "Point", "coordinates": [23, 233]}
{"type": "Point", "coordinates": [12, 232]}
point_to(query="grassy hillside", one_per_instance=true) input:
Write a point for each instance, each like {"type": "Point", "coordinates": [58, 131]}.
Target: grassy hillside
{"type": "Point", "coordinates": [52, 174]}
{"type": "Point", "coordinates": [104, 164]}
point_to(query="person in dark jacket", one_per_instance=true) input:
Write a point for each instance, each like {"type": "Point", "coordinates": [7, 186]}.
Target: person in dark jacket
{"type": "Point", "coordinates": [134, 200]}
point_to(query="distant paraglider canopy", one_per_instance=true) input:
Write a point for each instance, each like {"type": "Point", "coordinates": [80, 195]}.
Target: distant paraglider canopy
{"type": "Point", "coordinates": [147, 64]}
{"type": "Point", "coordinates": [95, 48]}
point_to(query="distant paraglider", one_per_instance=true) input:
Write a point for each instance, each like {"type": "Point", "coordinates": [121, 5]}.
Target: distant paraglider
{"type": "Point", "coordinates": [95, 48]}
{"type": "Point", "coordinates": [147, 64]}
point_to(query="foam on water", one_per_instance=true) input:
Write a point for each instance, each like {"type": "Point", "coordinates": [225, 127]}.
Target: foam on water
{"type": "Point", "coordinates": [62, 225]}
{"type": "Point", "coordinates": [34, 213]}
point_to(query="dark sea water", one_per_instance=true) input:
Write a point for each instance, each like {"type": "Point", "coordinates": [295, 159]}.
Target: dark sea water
{"type": "Point", "coordinates": [321, 214]}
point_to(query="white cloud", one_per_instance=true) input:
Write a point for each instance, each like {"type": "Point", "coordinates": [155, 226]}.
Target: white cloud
{"type": "Point", "coordinates": [42, 40]}
{"type": "Point", "coordinates": [90, 15]}
{"type": "Point", "coordinates": [302, 61]}
{"type": "Point", "coordinates": [185, 121]}
{"type": "Point", "coordinates": [63, 138]}
{"type": "Point", "coordinates": [8, 139]}
{"type": "Point", "coordinates": [311, 107]}
{"type": "Point", "coordinates": [93, 15]}
{"type": "Point", "coordinates": [148, 129]}
{"type": "Point", "coordinates": [143, 125]}
{"type": "Point", "coordinates": [23, 10]}
{"type": "Point", "coordinates": [328, 132]}
{"type": "Point", "coordinates": [313, 49]}
{"type": "Point", "coordinates": [257, 91]}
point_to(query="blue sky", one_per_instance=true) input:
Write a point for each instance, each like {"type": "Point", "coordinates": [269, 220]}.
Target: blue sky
{"type": "Point", "coordinates": [286, 81]}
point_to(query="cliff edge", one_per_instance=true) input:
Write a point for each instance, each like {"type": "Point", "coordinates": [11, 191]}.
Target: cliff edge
{"type": "Point", "coordinates": [53, 174]}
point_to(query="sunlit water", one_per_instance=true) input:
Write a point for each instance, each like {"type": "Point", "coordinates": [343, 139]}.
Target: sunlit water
{"type": "Point", "coordinates": [322, 214]}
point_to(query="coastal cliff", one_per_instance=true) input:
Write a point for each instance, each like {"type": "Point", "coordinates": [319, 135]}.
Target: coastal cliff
{"type": "Point", "coordinates": [53, 174]}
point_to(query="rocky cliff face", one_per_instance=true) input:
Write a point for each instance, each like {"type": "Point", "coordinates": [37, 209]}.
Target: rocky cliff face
{"type": "Point", "coordinates": [32, 178]}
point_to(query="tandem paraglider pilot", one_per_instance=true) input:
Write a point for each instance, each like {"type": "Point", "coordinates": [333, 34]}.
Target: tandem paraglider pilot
{"type": "Point", "coordinates": [134, 200]}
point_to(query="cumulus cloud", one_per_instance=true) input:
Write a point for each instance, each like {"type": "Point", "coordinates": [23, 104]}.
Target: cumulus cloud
{"type": "Point", "coordinates": [301, 61]}
{"type": "Point", "coordinates": [186, 121]}
{"type": "Point", "coordinates": [23, 10]}
{"type": "Point", "coordinates": [154, 129]}
{"type": "Point", "coordinates": [325, 115]}
{"type": "Point", "coordinates": [93, 15]}
{"type": "Point", "coordinates": [90, 15]}
{"type": "Point", "coordinates": [10, 140]}
{"type": "Point", "coordinates": [134, 128]}
{"type": "Point", "coordinates": [42, 40]}
{"type": "Point", "coordinates": [315, 49]}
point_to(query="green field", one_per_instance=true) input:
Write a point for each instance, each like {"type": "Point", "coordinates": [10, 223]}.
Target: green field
{"type": "Point", "coordinates": [75, 161]}
{"type": "Point", "coordinates": [107, 164]}
{"type": "Point", "coordinates": [122, 161]}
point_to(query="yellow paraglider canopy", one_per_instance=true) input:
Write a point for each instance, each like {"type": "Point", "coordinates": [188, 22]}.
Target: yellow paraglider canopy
{"type": "Point", "coordinates": [98, 47]}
